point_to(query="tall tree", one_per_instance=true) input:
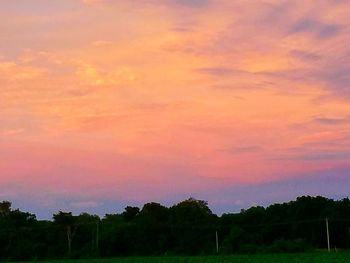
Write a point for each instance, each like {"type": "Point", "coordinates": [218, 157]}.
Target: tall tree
{"type": "Point", "coordinates": [67, 220]}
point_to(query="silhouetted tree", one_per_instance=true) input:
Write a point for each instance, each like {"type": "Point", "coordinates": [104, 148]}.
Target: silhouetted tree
{"type": "Point", "coordinates": [67, 221]}
{"type": "Point", "coordinates": [186, 228]}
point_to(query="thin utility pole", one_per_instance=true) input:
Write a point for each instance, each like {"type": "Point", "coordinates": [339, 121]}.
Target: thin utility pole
{"type": "Point", "coordinates": [217, 242]}
{"type": "Point", "coordinates": [69, 239]}
{"type": "Point", "coordinates": [328, 243]}
{"type": "Point", "coordinates": [97, 234]}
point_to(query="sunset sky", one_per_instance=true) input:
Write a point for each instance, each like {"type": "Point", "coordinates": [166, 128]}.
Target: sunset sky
{"type": "Point", "coordinates": [108, 103]}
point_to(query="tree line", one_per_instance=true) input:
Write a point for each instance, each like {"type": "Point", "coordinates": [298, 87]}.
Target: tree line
{"type": "Point", "coordinates": [186, 228]}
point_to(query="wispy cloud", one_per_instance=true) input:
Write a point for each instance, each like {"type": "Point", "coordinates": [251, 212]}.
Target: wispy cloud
{"type": "Point", "coordinates": [304, 55]}
{"type": "Point", "coordinates": [244, 149]}
{"type": "Point", "coordinates": [319, 29]}
{"type": "Point", "coordinates": [218, 71]}
{"type": "Point", "coordinates": [332, 121]}
{"type": "Point", "coordinates": [190, 3]}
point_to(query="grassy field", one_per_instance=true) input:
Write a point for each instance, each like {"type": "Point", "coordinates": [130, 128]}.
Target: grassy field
{"type": "Point", "coordinates": [276, 258]}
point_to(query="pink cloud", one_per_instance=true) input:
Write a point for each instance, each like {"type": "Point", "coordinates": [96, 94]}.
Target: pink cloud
{"type": "Point", "coordinates": [135, 100]}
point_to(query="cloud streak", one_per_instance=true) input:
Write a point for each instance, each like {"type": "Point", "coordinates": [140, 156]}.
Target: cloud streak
{"type": "Point", "coordinates": [320, 29]}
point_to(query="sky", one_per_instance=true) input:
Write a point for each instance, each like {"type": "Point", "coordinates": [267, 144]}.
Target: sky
{"type": "Point", "coordinates": [107, 103]}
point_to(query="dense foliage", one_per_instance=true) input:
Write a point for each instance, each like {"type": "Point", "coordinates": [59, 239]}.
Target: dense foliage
{"type": "Point", "coordinates": [317, 257]}
{"type": "Point", "coordinates": [187, 228]}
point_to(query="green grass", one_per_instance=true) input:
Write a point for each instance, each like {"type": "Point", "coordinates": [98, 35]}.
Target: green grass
{"type": "Point", "coordinates": [275, 258]}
